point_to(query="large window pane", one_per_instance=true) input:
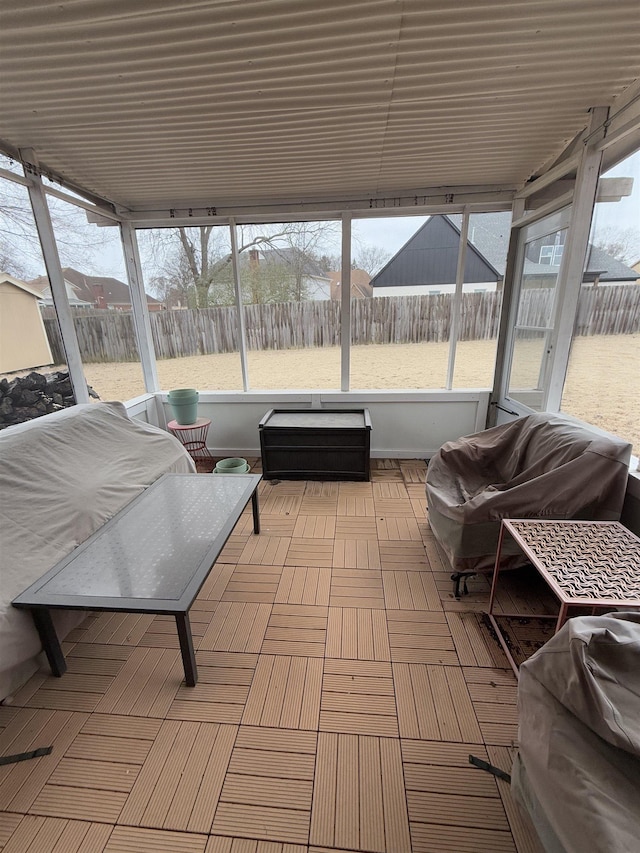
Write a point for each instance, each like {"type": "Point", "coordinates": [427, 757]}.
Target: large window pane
{"type": "Point", "coordinates": [291, 309]}
{"type": "Point", "coordinates": [93, 267]}
{"type": "Point", "coordinates": [602, 378]}
{"type": "Point", "coordinates": [401, 334]}
{"type": "Point", "coordinates": [188, 270]}
{"type": "Point", "coordinates": [539, 260]}
{"type": "Point", "coordinates": [33, 374]}
{"type": "Point", "coordinates": [488, 242]}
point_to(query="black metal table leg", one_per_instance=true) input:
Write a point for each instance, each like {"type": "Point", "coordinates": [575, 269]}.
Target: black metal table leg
{"type": "Point", "coordinates": [49, 640]}
{"type": "Point", "coordinates": [186, 648]}
{"type": "Point", "coordinates": [256, 512]}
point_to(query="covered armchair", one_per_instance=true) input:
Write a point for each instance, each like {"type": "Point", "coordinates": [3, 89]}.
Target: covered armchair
{"type": "Point", "coordinates": [539, 466]}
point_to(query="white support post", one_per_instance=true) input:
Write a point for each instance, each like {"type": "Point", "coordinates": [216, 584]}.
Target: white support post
{"type": "Point", "coordinates": [345, 304]}
{"type": "Point", "coordinates": [141, 319]}
{"type": "Point", "coordinates": [242, 337]}
{"type": "Point", "coordinates": [507, 316]}
{"type": "Point", "coordinates": [51, 257]}
{"type": "Point", "coordinates": [456, 308]}
{"type": "Point", "coordinates": [575, 251]}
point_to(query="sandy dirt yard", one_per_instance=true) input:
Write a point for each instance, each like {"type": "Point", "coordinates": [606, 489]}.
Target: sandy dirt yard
{"type": "Point", "coordinates": [602, 385]}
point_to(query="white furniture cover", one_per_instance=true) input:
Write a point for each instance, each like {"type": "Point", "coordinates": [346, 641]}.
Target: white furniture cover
{"type": "Point", "coordinates": [61, 477]}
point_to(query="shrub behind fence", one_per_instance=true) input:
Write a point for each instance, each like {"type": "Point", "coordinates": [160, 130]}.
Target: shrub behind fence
{"type": "Point", "coordinates": [109, 335]}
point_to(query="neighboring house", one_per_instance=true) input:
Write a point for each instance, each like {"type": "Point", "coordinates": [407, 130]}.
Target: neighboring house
{"type": "Point", "coordinates": [427, 263]}
{"type": "Point", "coordinates": [23, 339]}
{"type": "Point", "coordinates": [360, 284]}
{"type": "Point", "coordinates": [94, 291]}
{"type": "Point", "coordinates": [310, 279]}
{"type": "Point", "coordinates": [636, 267]}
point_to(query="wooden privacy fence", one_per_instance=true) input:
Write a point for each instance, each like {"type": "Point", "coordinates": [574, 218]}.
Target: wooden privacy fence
{"type": "Point", "coordinates": [109, 335]}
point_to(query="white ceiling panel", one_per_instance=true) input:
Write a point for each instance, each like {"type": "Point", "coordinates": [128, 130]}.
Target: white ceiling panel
{"type": "Point", "coordinates": [167, 103]}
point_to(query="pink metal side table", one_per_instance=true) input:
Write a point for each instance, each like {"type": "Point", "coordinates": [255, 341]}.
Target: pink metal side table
{"type": "Point", "coordinates": [584, 563]}
{"type": "Point", "coordinates": [193, 437]}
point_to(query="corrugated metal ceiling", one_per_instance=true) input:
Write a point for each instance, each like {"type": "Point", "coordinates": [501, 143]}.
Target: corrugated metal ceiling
{"type": "Point", "coordinates": [162, 102]}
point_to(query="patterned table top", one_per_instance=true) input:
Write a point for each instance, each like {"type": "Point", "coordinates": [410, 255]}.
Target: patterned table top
{"type": "Point", "coordinates": [584, 561]}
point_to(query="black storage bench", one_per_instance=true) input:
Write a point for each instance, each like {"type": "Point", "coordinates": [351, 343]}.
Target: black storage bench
{"type": "Point", "coordinates": [315, 444]}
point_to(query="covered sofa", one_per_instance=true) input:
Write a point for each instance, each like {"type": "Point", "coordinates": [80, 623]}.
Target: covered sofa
{"type": "Point", "coordinates": [577, 770]}
{"type": "Point", "coordinates": [61, 477]}
{"type": "Point", "coordinates": [539, 466]}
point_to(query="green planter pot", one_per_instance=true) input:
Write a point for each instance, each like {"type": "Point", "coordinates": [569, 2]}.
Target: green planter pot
{"type": "Point", "coordinates": [184, 404]}
{"type": "Point", "coordinates": [234, 465]}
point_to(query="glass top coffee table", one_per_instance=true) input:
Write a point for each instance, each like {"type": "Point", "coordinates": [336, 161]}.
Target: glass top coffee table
{"type": "Point", "coordinates": [152, 557]}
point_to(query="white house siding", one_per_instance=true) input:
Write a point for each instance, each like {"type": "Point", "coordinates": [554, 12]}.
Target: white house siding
{"type": "Point", "coordinates": [423, 289]}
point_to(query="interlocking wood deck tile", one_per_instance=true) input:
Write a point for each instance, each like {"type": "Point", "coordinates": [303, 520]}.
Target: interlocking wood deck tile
{"type": "Point", "coordinates": [270, 525]}
{"type": "Point", "coordinates": [358, 634]}
{"type": "Point", "coordinates": [36, 834]}
{"type": "Point", "coordinates": [125, 628]}
{"type": "Point", "coordinates": [358, 697]}
{"type": "Point", "coordinates": [280, 504]}
{"type": "Point", "coordinates": [403, 556]}
{"type": "Point", "coordinates": [268, 807]}
{"type": "Point", "coordinates": [420, 636]}
{"type": "Point", "coordinates": [419, 506]}
{"type": "Point", "coordinates": [389, 491]}
{"type": "Point", "coordinates": [310, 552]}
{"type": "Point", "coordinates": [315, 526]}
{"type": "Point", "coordinates": [162, 632]}
{"type": "Point", "coordinates": [296, 630]}
{"type": "Point", "coordinates": [21, 783]}
{"type": "Point", "coordinates": [235, 545]}
{"type": "Point", "coordinates": [356, 588]}
{"type": "Point", "coordinates": [236, 627]}
{"type": "Point", "coordinates": [408, 590]}
{"type": "Point", "coordinates": [285, 693]}
{"type": "Point", "coordinates": [428, 837]}
{"type": "Point", "coordinates": [474, 644]}
{"type": "Point", "coordinates": [7, 714]}
{"type": "Point", "coordinates": [356, 554]}
{"type": "Point", "coordinates": [101, 775]}
{"type": "Point", "coordinates": [128, 839]}
{"type": "Point", "coordinates": [356, 528]}
{"type": "Point", "coordinates": [146, 685]}
{"type": "Point", "coordinates": [322, 489]}
{"type": "Point", "coordinates": [266, 550]}
{"type": "Point", "coordinates": [253, 583]}
{"type": "Point", "coordinates": [359, 799]}
{"type": "Point", "coordinates": [180, 781]}
{"type": "Point", "coordinates": [216, 583]}
{"type": "Point", "coordinates": [437, 559]}
{"type": "Point", "coordinates": [387, 476]}
{"type": "Point", "coordinates": [319, 505]}
{"type": "Point", "coordinates": [495, 703]}
{"type": "Point", "coordinates": [444, 768]}
{"type": "Point", "coordinates": [305, 585]}
{"type": "Point", "coordinates": [522, 829]}
{"type": "Point", "coordinates": [393, 507]}
{"type": "Point", "coordinates": [414, 474]}
{"type": "Point", "coordinates": [8, 825]}
{"type": "Point", "coordinates": [434, 703]}
{"type": "Point", "coordinates": [224, 844]}
{"type": "Point", "coordinates": [380, 463]}
{"type": "Point", "coordinates": [395, 528]}
{"type": "Point", "coordinates": [356, 505]}
{"type": "Point", "coordinates": [119, 739]}
{"type": "Point", "coordinates": [355, 488]}
{"type": "Point", "coordinates": [221, 692]}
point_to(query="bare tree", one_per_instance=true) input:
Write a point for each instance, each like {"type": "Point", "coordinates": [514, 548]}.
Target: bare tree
{"type": "Point", "coordinates": [370, 258]}
{"type": "Point", "coordinates": [620, 243]}
{"type": "Point", "coordinates": [199, 259]}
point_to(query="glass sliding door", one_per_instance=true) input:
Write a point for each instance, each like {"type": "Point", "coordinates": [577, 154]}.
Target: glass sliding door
{"type": "Point", "coordinates": [538, 265]}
